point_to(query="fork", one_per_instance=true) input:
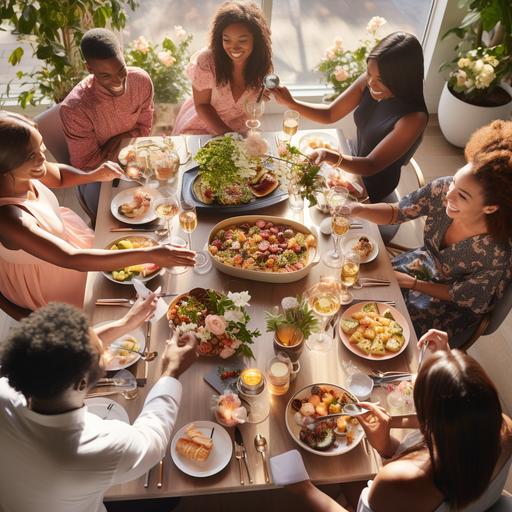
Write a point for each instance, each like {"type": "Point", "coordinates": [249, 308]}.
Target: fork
{"type": "Point", "coordinates": [239, 456]}
{"type": "Point", "coordinates": [109, 408]}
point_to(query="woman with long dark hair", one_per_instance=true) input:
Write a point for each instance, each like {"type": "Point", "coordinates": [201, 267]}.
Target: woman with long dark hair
{"type": "Point", "coordinates": [390, 114]}
{"type": "Point", "coordinates": [228, 73]}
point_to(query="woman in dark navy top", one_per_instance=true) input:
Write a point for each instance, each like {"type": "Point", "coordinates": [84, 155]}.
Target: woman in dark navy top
{"type": "Point", "coordinates": [390, 114]}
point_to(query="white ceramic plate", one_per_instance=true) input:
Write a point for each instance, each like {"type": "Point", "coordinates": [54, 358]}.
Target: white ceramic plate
{"type": "Point", "coordinates": [126, 196]}
{"type": "Point", "coordinates": [108, 275]}
{"type": "Point", "coordinates": [99, 405]}
{"type": "Point", "coordinates": [317, 137]}
{"type": "Point", "coordinates": [382, 307]}
{"type": "Point", "coordinates": [115, 364]}
{"type": "Point", "coordinates": [341, 445]}
{"type": "Point", "coordinates": [351, 240]}
{"type": "Point", "coordinates": [219, 456]}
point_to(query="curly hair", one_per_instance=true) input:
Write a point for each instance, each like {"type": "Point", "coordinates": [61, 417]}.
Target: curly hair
{"type": "Point", "coordinates": [14, 140]}
{"type": "Point", "coordinates": [100, 43]}
{"type": "Point", "coordinates": [489, 151]}
{"type": "Point", "coordinates": [259, 62]}
{"type": "Point", "coordinates": [48, 351]}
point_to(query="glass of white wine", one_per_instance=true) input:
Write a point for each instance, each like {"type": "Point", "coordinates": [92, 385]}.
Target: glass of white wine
{"type": "Point", "coordinates": [349, 275]}
{"type": "Point", "coordinates": [166, 208]}
{"type": "Point", "coordinates": [254, 110]}
{"type": "Point", "coordinates": [324, 299]}
{"type": "Point", "coordinates": [340, 224]}
{"type": "Point", "coordinates": [290, 123]}
{"type": "Point", "coordinates": [188, 223]}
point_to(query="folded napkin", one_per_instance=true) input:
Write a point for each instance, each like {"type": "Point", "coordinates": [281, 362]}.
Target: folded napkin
{"type": "Point", "coordinates": [288, 468]}
{"type": "Point", "coordinates": [143, 291]}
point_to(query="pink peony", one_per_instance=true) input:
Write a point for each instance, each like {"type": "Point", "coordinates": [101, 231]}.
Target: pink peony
{"type": "Point", "coordinates": [166, 58]}
{"type": "Point", "coordinates": [215, 324]}
{"type": "Point", "coordinates": [340, 74]}
{"type": "Point", "coordinates": [141, 44]}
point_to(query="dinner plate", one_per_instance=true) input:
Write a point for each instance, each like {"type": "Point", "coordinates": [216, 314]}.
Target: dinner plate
{"type": "Point", "coordinates": [219, 456]}
{"type": "Point", "coordinates": [382, 307]}
{"type": "Point", "coordinates": [341, 445]}
{"type": "Point", "coordinates": [99, 407]}
{"type": "Point", "coordinates": [311, 138]}
{"type": "Point", "coordinates": [257, 203]}
{"type": "Point", "coordinates": [351, 240]}
{"type": "Point", "coordinates": [154, 243]}
{"type": "Point", "coordinates": [115, 364]}
{"type": "Point", "coordinates": [126, 196]}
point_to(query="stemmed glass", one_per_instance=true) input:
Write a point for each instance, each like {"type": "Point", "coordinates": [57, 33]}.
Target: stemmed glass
{"type": "Point", "coordinates": [340, 223]}
{"type": "Point", "coordinates": [143, 158]}
{"type": "Point", "coordinates": [324, 300]}
{"type": "Point", "coordinates": [290, 123]}
{"type": "Point", "coordinates": [123, 382]}
{"type": "Point", "coordinates": [166, 207]}
{"type": "Point", "coordinates": [349, 276]}
{"type": "Point", "coordinates": [254, 111]}
{"type": "Point", "coordinates": [188, 222]}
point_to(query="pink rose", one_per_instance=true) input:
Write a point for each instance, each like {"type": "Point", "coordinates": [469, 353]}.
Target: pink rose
{"type": "Point", "coordinates": [215, 324]}
{"type": "Point", "coordinates": [226, 352]}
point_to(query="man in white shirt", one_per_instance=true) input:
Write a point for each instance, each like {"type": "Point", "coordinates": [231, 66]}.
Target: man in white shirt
{"type": "Point", "coordinates": [55, 455]}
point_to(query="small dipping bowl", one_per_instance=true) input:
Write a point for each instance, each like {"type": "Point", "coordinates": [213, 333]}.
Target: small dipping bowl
{"type": "Point", "coordinates": [360, 385]}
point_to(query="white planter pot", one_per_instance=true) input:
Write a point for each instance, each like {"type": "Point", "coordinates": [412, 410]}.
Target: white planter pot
{"type": "Point", "coordinates": [458, 119]}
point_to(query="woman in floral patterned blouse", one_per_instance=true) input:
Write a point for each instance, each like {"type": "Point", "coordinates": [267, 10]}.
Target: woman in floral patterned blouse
{"type": "Point", "coordinates": [465, 263]}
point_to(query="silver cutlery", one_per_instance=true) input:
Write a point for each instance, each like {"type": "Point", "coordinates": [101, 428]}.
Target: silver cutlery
{"type": "Point", "coordinates": [422, 354]}
{"type": "Point", "coordinates": [109, 408]}
{"type": "Point", "coordinates": [261, 444]}
{"type": "Point", "coordinates": [366, 284]}
{"type": "Point", "coordinates": [146, 479]}
{"type": "Point", "coordinates": [129, 230]}
{"type": "Point", "coordinates": [160, 474]}
{"type": "Point", "coordinates": [374, 280]}
{"type": "Point", "coordinates": [379, 381]}
{"type": "Point", "coordinates": [240, 442]}
{"type": "Point", "coordinates": [239, 457]}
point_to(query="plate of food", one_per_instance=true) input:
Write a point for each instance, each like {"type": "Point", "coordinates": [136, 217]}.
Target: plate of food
{"type": "Point", "coordinates": [364, 246]}
{"type": "Point", "coordinates": [135, 205]}
{"type": "Point", "coordinates": [201, 448]}
{"type": "Point", "coordinates": [263, 248]}
{"type": "Point", "coordinates": [317, 140]}
{"type": "Point", "coordinates": [374, 331]}
{"type": "Point", "coordinates": [328, 438]}
{"type": "Point", "coordinates": [106, 409]}
{"type": "Point", "coordinates": [143, 271]}
{"type": "Point", "coordinates": [120, 353]}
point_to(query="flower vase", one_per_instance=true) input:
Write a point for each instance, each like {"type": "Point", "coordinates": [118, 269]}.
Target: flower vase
{"type": "Point", "coordinates": [458, 119]}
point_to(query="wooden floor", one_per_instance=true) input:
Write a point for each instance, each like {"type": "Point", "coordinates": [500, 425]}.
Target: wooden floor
{"type": "Point", "coordinates": [436, 158]}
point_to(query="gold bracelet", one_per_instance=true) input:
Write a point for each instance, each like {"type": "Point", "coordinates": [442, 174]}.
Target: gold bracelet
{"type": "Point", "coordinates": [340, 159]}
{"type": "Point", "coordinates": [413, 287]}
{"type": "Point", "coordinates": [391, 220]}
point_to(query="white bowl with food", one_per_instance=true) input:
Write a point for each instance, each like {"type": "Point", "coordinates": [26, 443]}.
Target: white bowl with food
{"type": "Point", "coordinates": [365, 246]}
{"type": "Point", "coordinates": [318, 140]}
{"type": "Point", "coordinates": [263, 248]}
{"type": "Point", "coordinates": [328, 438]}
{"type": "Point", "coordinates": [374, 331]}
{"type": "Point", "coordinates": [144, 271]}
{"type": "Point", "coordinates": [135, 205]}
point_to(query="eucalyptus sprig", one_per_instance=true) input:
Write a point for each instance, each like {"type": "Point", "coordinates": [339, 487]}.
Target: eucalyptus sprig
{"type": "Point", "coordinates": [301, 316]}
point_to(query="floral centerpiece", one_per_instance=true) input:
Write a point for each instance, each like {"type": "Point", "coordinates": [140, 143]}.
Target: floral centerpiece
{"type": "Point", "coordinates": [164, 63]}
{"type": "Point", "coordinates": [341, 67]}
{"type": "Point", "coordinates": [218, 320]}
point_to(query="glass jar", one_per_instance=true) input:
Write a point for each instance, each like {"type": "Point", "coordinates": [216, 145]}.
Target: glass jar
{"type": "Point", "coordinates": [252, 390]}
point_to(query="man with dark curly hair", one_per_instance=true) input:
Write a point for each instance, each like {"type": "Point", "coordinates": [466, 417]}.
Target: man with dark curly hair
{"type": "Point", "coordinates": [56, 456]}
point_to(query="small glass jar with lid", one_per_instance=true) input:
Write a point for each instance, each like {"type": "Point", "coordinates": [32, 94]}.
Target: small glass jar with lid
{"type": "Point", "coordinates": [253, 391]}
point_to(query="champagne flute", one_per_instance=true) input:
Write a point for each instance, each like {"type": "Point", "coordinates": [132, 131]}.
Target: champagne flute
{"type": "Point", "coordinates": [349, 275]}
{"type": "Point", "coordinates": [188, 223]}
{"type": "Point", "coordinates": [290, 123]}
{"type": "Point", "coordinates": [340, 221]}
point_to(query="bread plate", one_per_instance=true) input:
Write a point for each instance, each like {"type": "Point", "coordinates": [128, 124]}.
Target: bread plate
{"type": "Point", "coordinates": [350, 241]}
{"type": "Point", "coordinates": [313, 257]}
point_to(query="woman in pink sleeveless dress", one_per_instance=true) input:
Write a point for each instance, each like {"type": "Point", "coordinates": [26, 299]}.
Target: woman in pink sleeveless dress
{"type": "Point", "coordinates": [46, 250]}
{"type": "Point", "coordinates": [228, 73]}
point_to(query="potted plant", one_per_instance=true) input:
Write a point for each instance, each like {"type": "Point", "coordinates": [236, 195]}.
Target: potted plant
{"type": "Point", "coordinates": [341, 67]}
{"type": "Point", "coordinates": [165, 64]}
{"type": "Point", "coordinates": [475, 92]}
{"type": "Point", "coordinates": [53, 29]}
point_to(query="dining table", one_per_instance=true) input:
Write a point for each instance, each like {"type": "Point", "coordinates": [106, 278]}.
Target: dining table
{"type": "Point", "coordinates": [362, 462]}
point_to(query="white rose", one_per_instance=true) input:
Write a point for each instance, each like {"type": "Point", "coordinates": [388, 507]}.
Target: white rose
{"type": "Point", "coordinates": [141, 44]}
{"type": "Point", "coordinates": [166, 58]}
{"type": "Point", "coordinates": [240, 299]}
{"type": "Point", "coordinates": [232, 315]}
{"type": "Point", "coordinates": [180, 32]}
{"type": "Point", "coordinates": [461, 77]}
{"type": "Point", "coordinates": [478, 65]}
{"type": "Point", "coordinates": [463, 63]}
{"type": "Point", "coordinates": [330, 54]}
{"type": "Point", "coordinates": [340, 74]}
{"type": "Point", "coordinates": [375, 23]}
{"type": "Point", "coordinates": [187, 327]}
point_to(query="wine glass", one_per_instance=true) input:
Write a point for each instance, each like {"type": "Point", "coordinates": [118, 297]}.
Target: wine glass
{"type": "Point", "coordinates": [324, 299]}
{"type": "Point", "coordinates": [143, 159]}
{"type": "Point", "coordinates": [290, 123]}
{"type": "Point", "coordinates": [254, 110]}
{"type": "Point", "coordinates": [340, 223]}
{"type": "Point", "coordinates": [349, 275]}
{"type": "Point", "coordinates": [295, 195]}
{"type": "Point", "coordinates": [123, 382]}
{"type": "Point", "coordinates": [188, 222]}
{"type": "Point", "coordinates": [166, 207]}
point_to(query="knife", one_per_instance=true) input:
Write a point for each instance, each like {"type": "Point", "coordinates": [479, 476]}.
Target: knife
{"type": "Point", "coordinates": [240, 441]}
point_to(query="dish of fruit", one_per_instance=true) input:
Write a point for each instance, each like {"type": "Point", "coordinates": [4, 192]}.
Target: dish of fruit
{"type": "Point", "coordinates": [374, 331]}
{"type": "Point", "coordinates": [330, 437]}
{"type": "Point", "coordinates": [144, 271]}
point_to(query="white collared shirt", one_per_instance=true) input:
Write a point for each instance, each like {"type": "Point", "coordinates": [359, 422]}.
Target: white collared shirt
{"type": "Point", "coordinates": [66, 462]}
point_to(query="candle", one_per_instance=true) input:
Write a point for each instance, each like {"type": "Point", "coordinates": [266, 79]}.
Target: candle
{"type": "Point", "coordinates": [251, 377]}
{"type": "Point", "coordinates": [252, 391]}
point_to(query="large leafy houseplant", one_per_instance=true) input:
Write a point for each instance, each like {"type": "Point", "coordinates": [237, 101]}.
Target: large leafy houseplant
{"type": "Point", "coordinates": [53, 29]}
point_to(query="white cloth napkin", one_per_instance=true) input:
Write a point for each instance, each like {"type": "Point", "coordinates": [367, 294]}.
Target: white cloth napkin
{"type": "Point", "coordinates": [143, 291]}
{"type": "Point", "coordinates": [288, 468]}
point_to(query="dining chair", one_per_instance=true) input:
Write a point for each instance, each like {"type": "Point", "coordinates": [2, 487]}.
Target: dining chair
{"type": "Point", "coordinates": [13, 310]}
{"type": "Point", "coordinates": [504, 504]}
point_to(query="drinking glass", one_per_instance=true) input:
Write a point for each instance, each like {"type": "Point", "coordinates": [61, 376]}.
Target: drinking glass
{"type": "Point", "coordinates": [144, 162]}
{"type": "Point", "coordinates": [340, 222]}
{"type": "Point", "coordinates": [166, 167]}
{"type": "Point", "coordinates": [349, 276]}
{"type": "Point", "coordinates": [254, 110]}
{"type": "Point", "coordinates": [122, 382]}
{"type": "Point", "coordinates": [295, 195]}
{"type": "Point", "coordinates": [188, 223]}
{"type": "Point", "coordinates": [290, 123]}
{"type": "Point", "coordinates": [324, 299]}
{"type": "Point", "coordinates": [166, 208]}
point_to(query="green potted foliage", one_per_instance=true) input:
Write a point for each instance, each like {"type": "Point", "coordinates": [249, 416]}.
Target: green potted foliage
{"type": "Point", "coordinates": [53, 29]}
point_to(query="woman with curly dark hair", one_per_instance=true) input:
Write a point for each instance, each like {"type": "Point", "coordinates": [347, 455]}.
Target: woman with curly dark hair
{"type": "Point", "coordinates": [228, 73]}
{"type": "Point", "coordinates": [464, 265]}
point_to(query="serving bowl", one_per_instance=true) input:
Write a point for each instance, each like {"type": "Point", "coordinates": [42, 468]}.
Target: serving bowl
{"type": "Point", "coordinates": [313, 257]}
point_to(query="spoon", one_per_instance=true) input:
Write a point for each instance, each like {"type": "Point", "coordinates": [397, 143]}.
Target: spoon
{"type": "Point", "coordinates": [146, 356]}
{"type": "Point", "coordinates": [260, 444]}
{"type": "Point", "coordinates": [270, 81]}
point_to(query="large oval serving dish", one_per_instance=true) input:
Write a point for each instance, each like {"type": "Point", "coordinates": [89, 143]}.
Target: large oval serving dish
{"type": "Point", "coordinates": [312, 257]}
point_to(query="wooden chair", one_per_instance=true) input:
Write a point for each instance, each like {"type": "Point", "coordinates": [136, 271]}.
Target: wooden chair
{"type": "Point", "coordinates": [13, 310]}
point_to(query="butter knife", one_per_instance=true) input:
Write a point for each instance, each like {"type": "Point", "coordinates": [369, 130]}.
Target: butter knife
{"type": "Point", "coordinates": [240, 441]}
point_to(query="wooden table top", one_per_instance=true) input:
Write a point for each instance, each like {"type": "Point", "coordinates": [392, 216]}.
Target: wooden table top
{"type": "Point", "coordinates": [359, 464]}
